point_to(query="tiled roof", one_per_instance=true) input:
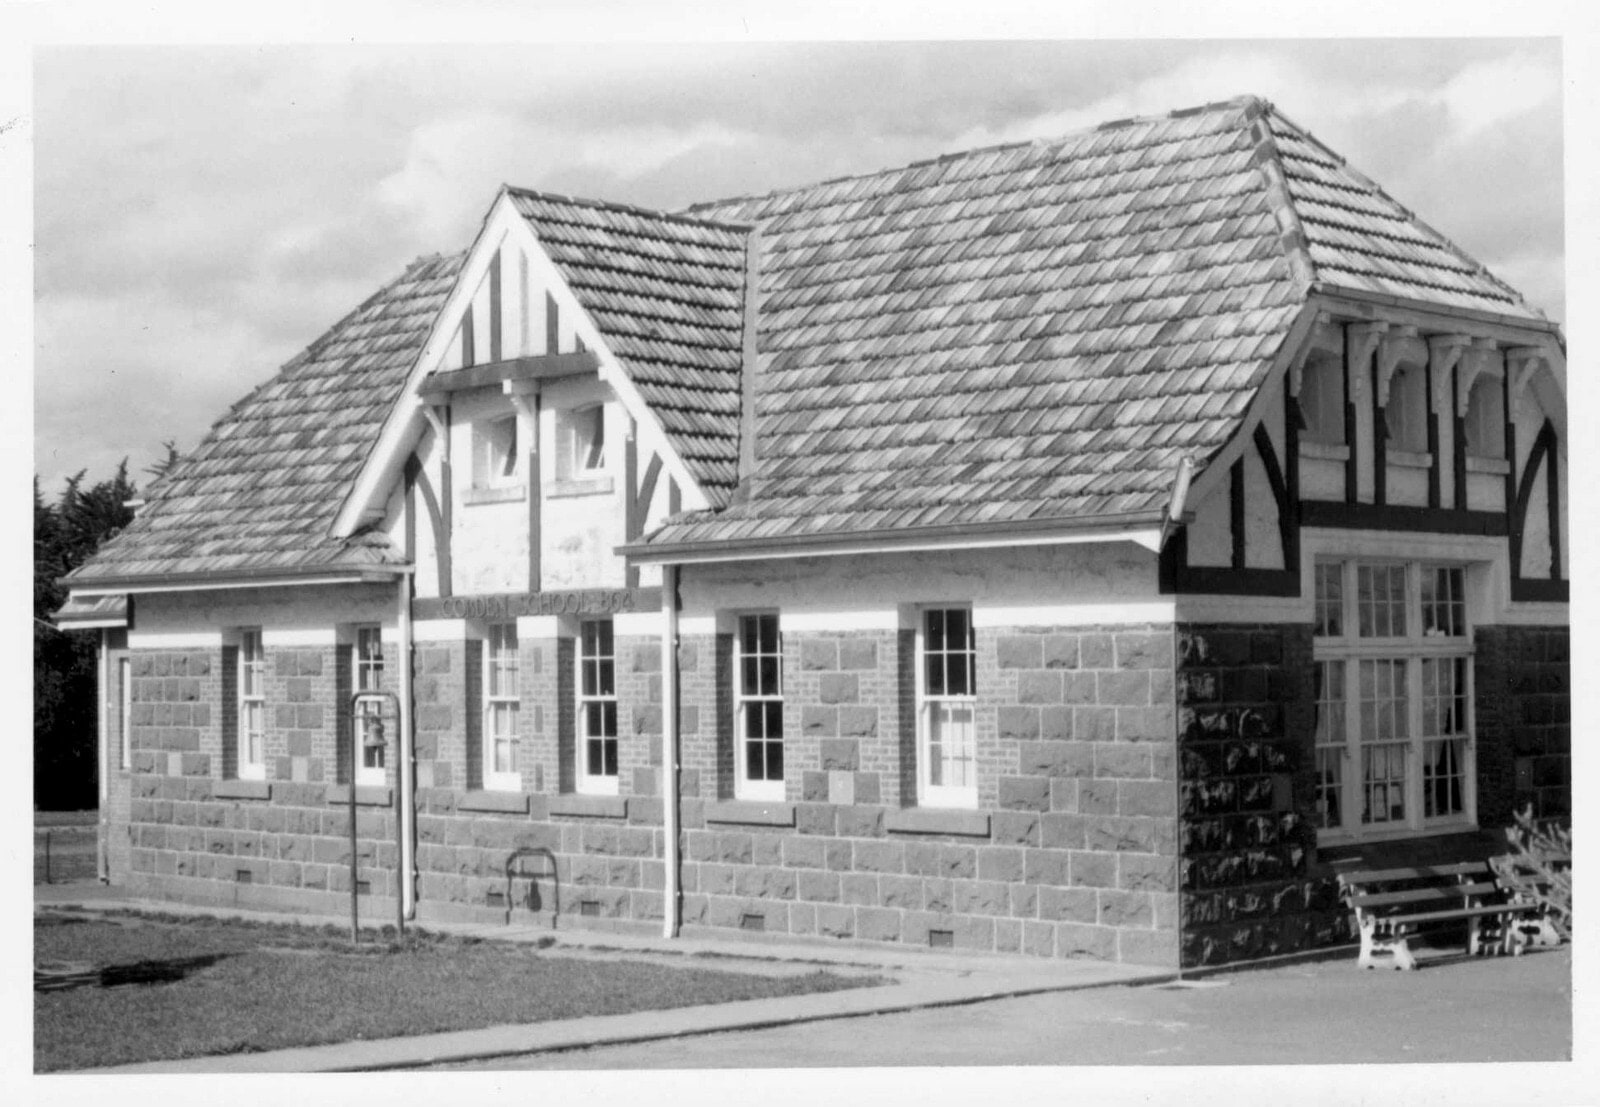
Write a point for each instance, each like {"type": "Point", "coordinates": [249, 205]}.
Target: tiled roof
{"type": "Point", "coordinates": [1042, 331]}
{"type": "Point", "coordinates": [1361, 239]}
{"type": "Point", "coordinates": [260, 490]}
{"type": "Point", "coordinates": [667, 292]}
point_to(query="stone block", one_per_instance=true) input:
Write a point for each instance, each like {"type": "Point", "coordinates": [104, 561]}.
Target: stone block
{"type": "Point", "coordinates": [1018, 724]}
{"type": "Point", "coordinates": [814, 786]}
{"type": "Point", "coordinates": [1038, 938]}
{"type": "Point", "coordinates": [880, 856]}
{"type": "Point", "coordinates": [1014, 828]}
{"type": "Point", "coordinates": [866, 788]}
{"type": "Point", "coordinates": [1018, 651]}
{"type": "Point", "coordinates": [877, 924]}
{"type": "Point", "coordinates": [835, 922]}
{"type": "Point", "coordinates": [858, 654]}
{"type": "Point", "coordinates": [818, 721]}
{"type": "Point", "coordinates": [803, 853]}
{"type": "Point", "coordinates": [647, 657]}
{"type": "Point", "coordinates": [1124, 760]}
{"type": "Point", "coordinates": [1097, 797]}
{"type": "Point", "coordinates": [1007, 936]}
{"type": "Point", "coordinates": [1077, 940]}
{"type": "Point", "coordinates": [646, 719]}
{"type": "Point", "coordinates": [1142, 650]}
{"type": "Point", "coordinates": [1060, 651]}
{"type": "Point", "coordinates": [822, 887]}
{"type": "Point", "coordinates": [1049, 867]}
{"type": "Point", "coordinates": [859, 888]}
{"type": "Point", "coordinates": [1141, 872]}
{"type": "Point", "coordinates": [1062, 831]}
{"type": "Point", "coordinates": [900, 892]}
{"type": "Point", "coordinates": [1120, 908]}
{"type": "Point", "coordinates": [835, 688]}
{"type": "Point", "coordinates": [1046, 759]}
{"type": "Point", "coordinates": [1025, 793]}
{"type": "Point", "coordinates": [1078, 687]}
{"type": "Point", "coordinates": [980, 897]}
{"type": "Point", "coordinates": [815, 818]}
{"type": "Point", "coordinates": [858, 722]}
{"type": "Point", "coordinates": [1129, 688]}
{"type": "Point", "coordinates": [1077, 905]}
{"type": "Point", "coordinates": [1097, 651]}
{"type": "Point", "coordinates": [1001, 863]}
{"type": "Point", "coordinates": [1093, 870]}
{"type": "Point", "coordinates": [938, 894]}
{"type": "Point", "coordinates": [1154, 798]}
{"type": "Point", "coordinates": [819, 654]}
{"type": "Point", "coordinates": [958, 862]}
{"type": "Point", "coordinates": [1038, 687]}
{"type": "Point", "coordinates": [860, 822]}
{"type": "Point", "coordinates": [1055, 723]}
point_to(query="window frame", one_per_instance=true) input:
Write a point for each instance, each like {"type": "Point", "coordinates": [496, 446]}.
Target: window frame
{"type": "Point", "coordinates": [930, 794]}
{"type": "Point", "coordinates": [125, 706]}
{"type": "Point", "coordinates": [1412, 650]}
{"type": "Point", "coordinates": [362, 671]}
{"type": "Point", "coordinates": [1322, 379]}
{"type": "Point", "coordinates": [251, 661]}
{"type": "Point", "coordinates": [744, 788]}
{"type": "Point", "coordinates": [496, 458]}
{"type": "Point", "coordinates": [1487, 442]}
{"type": "Point", "coordinates": [577, 447]}
{"type": "Point", "coordinates": [586, 781]}
{"type": "Point", "coordinates": [1405, 414]}
{"type": "Point", "coordinates": [508, 664]}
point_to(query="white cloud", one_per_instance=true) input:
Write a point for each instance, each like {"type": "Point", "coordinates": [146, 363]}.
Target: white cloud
{"type": "Point", "coordinates": [1486, 93]}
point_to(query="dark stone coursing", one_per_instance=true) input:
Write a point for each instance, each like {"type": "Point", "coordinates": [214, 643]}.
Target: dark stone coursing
{"type": "Point", "coordinates": [1245, 731]}
{"type": "Point", "coordinates": [1523, 712]}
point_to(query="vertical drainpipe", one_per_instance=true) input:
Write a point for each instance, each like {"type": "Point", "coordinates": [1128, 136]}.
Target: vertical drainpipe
{"type": "Point", "coordinates": [669, 748]}
{"type": "Point", "coordinates": [405, 809]}
{"type": "Point", "coordinates": [102, 731]}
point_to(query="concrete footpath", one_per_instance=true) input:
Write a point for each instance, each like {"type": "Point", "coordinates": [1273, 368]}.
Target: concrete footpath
{"type": "Point", "coordinates": [918, 980]}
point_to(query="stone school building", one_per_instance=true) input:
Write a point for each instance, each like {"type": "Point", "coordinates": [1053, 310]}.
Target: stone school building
{"type": "Point", "coordinates": [1071, 548]}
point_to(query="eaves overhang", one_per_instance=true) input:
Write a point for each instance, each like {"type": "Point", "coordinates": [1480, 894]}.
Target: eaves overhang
{"type": "Point", "coordinates": [1142, 528]}
{"type": "Point", "coordinates": [216, 582]}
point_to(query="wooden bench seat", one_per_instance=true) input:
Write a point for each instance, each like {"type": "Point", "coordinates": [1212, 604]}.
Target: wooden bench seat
{"type": "Point", "coordinates": [1391, 904]}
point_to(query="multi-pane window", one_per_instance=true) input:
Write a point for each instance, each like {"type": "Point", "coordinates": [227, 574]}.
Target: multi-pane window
{"type": "Point", "coordinates": [597, 708]}
{"type": "Point", "coordinates": [759, 708]}
{"type": "Point", "coordinates": [582, 438]}
{"type": "Point", "coordinates": [946, 732]}
{"type": "Point", "coordinates": [1331, 747]}
{"type": "Point", "coordinates": [252, 760]}
{"type": "Point", "coordinates": [501, 705]}
{"type": "Point", "coordinates": [1393, 698]}
{"type": "Point", "coordinates": [370, 735]}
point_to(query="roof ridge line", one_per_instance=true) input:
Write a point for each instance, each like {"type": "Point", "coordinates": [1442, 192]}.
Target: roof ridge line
{"type": "Point", "coordinates": [1245, 101]}
{"type": "Point", "coordinates": [1374, 188]}
{"type": "Point", "coordinates": [1269, 160]}
{"type": "Point", "coordinates": [634, 209]}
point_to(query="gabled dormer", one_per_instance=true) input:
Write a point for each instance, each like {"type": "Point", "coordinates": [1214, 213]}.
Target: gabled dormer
{"type": "Point", "coordinates": [581, 383]}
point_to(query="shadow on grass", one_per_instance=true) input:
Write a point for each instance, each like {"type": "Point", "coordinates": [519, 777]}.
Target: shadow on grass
{"type": "Point", "coordinates": [47, 978]}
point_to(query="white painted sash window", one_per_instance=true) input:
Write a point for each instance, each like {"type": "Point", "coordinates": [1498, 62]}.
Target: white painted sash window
{"type": "Point", "coordinates": [252, 758]}
{"type": "Point", "coordinates": [947, 703]}
{"type": "Point", "coordinates": [758, 696]}
{"type": "Point", "coordinates": [369, 730]}
{"type": "Point", "coordinates": [502, 702]}
{"type": "Point", "coordinates": [597, 708]}
{"type": "Point", "coordinates": [1393, 700]}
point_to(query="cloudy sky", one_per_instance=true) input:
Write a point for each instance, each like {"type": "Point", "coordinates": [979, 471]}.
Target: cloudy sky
{"type": "Point", "coordinates": [202, 213]}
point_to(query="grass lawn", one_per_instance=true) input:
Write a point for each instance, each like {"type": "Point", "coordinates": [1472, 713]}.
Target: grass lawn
{"type": "Point", "coordinates": [195, 986]}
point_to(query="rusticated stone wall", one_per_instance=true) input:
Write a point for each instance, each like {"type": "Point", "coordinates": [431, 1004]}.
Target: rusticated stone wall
{"type": "Point", "coordinates": [1523, 712]}
{"type": "Point", "coordinates": [1245, 733]}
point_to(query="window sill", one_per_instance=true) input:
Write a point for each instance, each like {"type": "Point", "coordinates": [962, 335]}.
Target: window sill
{"type": "Point", "coordinates": [1496, 465]}
{"type": "Point", "coordinates": [242, 789]}
{"type": "Point", "coordinates": [566, 489]}
{"type": "Point", "coordinates": [511, 803]}
{"type": "Point", "coordinates": [750, 813]}
{"type": "Point", "coordinates": [1325, 451]}
{"type": "Point", "coordinates": [589, 807]}
{"type": "Point", "coordinates": [365, 796]}
{"type": "Point", "coordinates": [1409, 459]}
{"type": "Point", "coordinates": [936, 820]}
{"type": "Point", "coordinates": [511, 493]}
{"type": "Point", "coordinates": [1344, 839]}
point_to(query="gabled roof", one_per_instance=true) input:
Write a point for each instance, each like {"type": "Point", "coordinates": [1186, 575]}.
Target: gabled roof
{"type": "Point", "coordinates": [258, 494]}
{"type": "Point", "coordinates": [667, 292]}
{"type": "Point", "coordinates": [1043, 330]}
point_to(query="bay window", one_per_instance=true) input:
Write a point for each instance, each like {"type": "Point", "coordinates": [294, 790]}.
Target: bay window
{"type": "Point", "coordinates": [1393, 741]}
